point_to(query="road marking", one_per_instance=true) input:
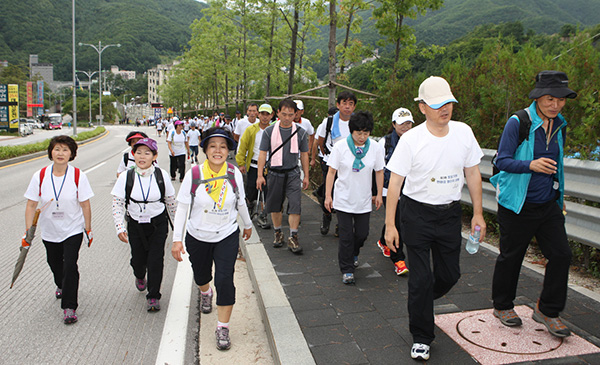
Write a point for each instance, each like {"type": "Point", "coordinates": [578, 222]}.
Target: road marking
{"type": "Point", "coordinates": [172, 344]}
{"type": "Point", "coordinates": [95, 167]}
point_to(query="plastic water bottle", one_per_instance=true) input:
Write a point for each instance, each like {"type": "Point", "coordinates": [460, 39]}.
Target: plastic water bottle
{"type": "Point", "coordinates": [472, 245]}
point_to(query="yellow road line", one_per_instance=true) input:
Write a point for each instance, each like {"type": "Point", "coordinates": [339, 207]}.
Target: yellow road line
{"type": "Point", "coordinates": [37, 158]}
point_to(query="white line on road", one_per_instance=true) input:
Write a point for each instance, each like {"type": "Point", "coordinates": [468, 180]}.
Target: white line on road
{"type": "Point", "coordinates": [95, 167]}
{"type": "Point", "coordinates": [172, 344]}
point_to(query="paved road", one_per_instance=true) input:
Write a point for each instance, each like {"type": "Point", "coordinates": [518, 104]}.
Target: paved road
{"type": "Point", "coordinates": [38, 136]}
{"type": "Point", "coordinates": [114, 326]}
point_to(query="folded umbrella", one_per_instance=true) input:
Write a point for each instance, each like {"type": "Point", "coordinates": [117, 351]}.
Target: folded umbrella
{"type": "Point", "coordinates": [25, 244]}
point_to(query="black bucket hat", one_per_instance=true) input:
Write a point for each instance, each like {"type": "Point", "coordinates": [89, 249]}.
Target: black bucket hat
{"type": "Point", "coordinates": [219, 132]}
{"type": "Point", "coordinates": [554, 83]}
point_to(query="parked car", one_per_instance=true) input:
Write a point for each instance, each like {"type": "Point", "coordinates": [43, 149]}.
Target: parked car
{"type": "Point", "coordinates": [35, 123]}
{"type": "Point", "coordinates": [25, 128]}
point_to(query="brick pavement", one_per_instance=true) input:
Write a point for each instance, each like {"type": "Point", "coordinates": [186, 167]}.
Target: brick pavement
{"type": "Point", "coordinates": [368, 323]}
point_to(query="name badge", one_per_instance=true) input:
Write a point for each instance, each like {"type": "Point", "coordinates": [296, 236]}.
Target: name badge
{"type": "Point", "coordinates": [355, 170]}
{"type": "Point", "coordinates": [58, 215]}
{"type": "Point", "coordinates": [217, 217]}
{"type": "Point", "coordinates": [144, 218]}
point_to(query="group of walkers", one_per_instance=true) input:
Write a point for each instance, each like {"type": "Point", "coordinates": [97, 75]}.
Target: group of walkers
{"type": "Point", "coordinates": [416, 172]}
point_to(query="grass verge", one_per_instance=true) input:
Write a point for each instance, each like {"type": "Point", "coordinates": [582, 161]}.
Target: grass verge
{"type": "Point", "coordinates": [16, 151]}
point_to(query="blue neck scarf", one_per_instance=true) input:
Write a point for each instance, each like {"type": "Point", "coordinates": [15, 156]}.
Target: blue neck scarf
{"type": "Point", "coordinates": [358, 152]}
{"type": "Point", "coordinates": [335, 127]}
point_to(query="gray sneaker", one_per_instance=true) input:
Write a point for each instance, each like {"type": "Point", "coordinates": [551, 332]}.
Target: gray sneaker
{"type": "Point", "coordinates": [223, 341]}
{"type": "Point", "coordinates": [294, 245]}
{"type": "Point", "coordinates": [153, 305]}
{"type": "Point", "coordinates": [508, 317]}
{"type": "Point", "coordinates": [278, 242]}
{"type": "Point", "coordinates": [206, 302]}
{"type": "Point", "coordinates": [263, 222]}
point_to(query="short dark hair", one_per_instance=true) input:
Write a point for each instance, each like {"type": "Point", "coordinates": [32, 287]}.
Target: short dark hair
{"type": "Point", "coordinates": [288, 103]}
{"type": "Point", "coordinates": [361, 121]}
{"type": "Point", "coordinates": [249, 105]}
{"type": "Point", "coordinates": [346, 95]}
{"type": "Point", "coordinates": [67, 141]}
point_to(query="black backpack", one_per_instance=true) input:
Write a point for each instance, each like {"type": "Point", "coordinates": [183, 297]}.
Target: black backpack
{"type": "Point", "coordinates": [524, 126]}
{"type": "Point", "coordinates": [161, 186]}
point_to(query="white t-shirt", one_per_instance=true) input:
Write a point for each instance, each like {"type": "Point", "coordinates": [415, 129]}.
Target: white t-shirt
{"type": "Point", "coordinates": [178, 142]}
{"type": "Point", "coordinates": [305, 123]}
{"type": "Point", "coordinates": [193, 137]}
{"type": "Point", "coordinates": [149, 189]}
{"type": "Point", "coordinates": [353, 189]}
{"type": "Point", "coordinates": [130, 162]}
{"type": "Point", "coordinates": [344, 132]}
{"type": "Point", "coordinates": [256, 149]}
{"type": "Point", "coordinates": [434, 166]}
{"type": "Point", "coordinates": [242, 125]}
{"type": "Point", "coordinates": [207, 223]}
{"type": "Point", "coordinates": [63, 217]}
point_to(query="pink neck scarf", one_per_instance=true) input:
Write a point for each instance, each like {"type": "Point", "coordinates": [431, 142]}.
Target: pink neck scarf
{"type": "Point", "coordinates": [277, 158]}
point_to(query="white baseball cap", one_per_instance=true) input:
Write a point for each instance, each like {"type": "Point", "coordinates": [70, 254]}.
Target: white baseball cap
{"type": "Point", "coordinates": [435, 92]}
{"type": "Point", "coordinates": [402, 115]}
{"type": "Point", "coordinates": [299, 104]}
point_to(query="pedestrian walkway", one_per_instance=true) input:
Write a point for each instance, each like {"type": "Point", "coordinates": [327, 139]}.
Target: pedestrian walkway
{"type": "Point", "coordinates": [326, 322]}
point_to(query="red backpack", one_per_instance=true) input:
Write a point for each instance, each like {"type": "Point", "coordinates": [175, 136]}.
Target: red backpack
{"type": "Point", "coordinates": [43, 173]}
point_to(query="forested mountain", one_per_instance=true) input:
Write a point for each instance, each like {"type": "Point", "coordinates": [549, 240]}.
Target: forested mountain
{"type": "Point", "coordinates": [149, 30]}
{"type": "Point", "coordinates": [146, 29]}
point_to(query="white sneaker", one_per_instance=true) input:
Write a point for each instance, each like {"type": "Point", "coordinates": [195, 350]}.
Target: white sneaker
{"type": "Point", "coordinates": [420, 351]}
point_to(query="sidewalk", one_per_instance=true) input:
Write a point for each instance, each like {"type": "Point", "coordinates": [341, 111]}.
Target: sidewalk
{"type": "Point", "coordinates": [311, 317]}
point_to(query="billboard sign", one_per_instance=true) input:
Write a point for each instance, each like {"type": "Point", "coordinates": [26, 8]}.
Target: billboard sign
{"type": "Point", "coordinates": [13, 106]}
{"type": "Point", "coordinates": [40, 85]}
{"type": "Point", "coordinates": [29, 98]}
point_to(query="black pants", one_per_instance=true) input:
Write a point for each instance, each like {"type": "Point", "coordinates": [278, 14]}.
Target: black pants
{"type": "Point", "coordinates": [177, 164]}
{"type": "Point", "coordinates": [224, 255]}
{"type": "Point", "coordinates": [428, 229]}
{"type": "Point", "coordinates": [194, 153]}
{"type": "Point", "coordinates": [251, 191]}
{"type": "Point", "coordinates": [354, 230]}
{"type": "Point", "coordinates": [62, 258]}
{"type": "Point", "coordinates": [547, 223]}
{"type": "Point", "coordinates": [399, 254]}
{"type": "Point", "coordinates": [147, 241]}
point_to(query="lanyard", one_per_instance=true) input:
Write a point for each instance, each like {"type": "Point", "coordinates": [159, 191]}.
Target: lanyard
{"type": "Point", "coordinates": [142, 189]}
{"type": "Point", "coordinates": [61, 185]}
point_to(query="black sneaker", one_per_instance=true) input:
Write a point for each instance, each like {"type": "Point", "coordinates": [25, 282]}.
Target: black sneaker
{"type": "Point", "coordinates": [278, 242]}
{"type": "Point", "coordinates": [69, 316]}
{"type": "Point", "coordinates": [325, 224]}
{"type": "Point", "coordinates": [263, 221]}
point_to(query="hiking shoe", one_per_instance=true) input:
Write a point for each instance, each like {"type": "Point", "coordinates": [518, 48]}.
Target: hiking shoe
{"type": "Point", "coordinates": [325, 224]}
{"type": "Point", "coordinates": [337, 231]}
{"type": "Point", "coordinates": [384, 249]}
{"type": "Point", "coordinates": [348, 278]}
{"type": "Point", "coordinates": [140, 284]}
{"type": "Point", "coordinates": [355, 261]}
{"type": "Point", "coordinates": [508, 317]}
{"type": "Point", "coordinates": [554, 325]}
{"type": "Point", "coordinates": [70, 316]}
{"type": "Point", "coordinates": [206, 302]}
{"type": "Point", "coordinates": [153, 305]}
{"type": "Point", "coordinates": [294, 245]}
{"type": "Point", "coordinates": [223, 341]}
{"type": "Point", "coordinates": [263, 222]}
{"type": "Point", "coordinates": [419, 351]}
{"type": "Point", "coordinates": [400, 268]}
{"type": "Point", "coordinates": [58, 293]}
{"type": "Point", "coordinates": [278, 242]}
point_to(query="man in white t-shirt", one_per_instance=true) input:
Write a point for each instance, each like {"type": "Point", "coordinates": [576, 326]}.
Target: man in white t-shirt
{"type": "Point", "coordinates": [251, 114]}
{"type": "Point", "coordinates": [304, 123]}
{"type": "Point", "coordinates": [433, 160]}
{"type": "Point", "coordinates": [335, 129]}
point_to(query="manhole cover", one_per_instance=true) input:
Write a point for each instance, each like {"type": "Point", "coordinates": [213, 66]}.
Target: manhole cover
{"type": "Point", "coordinates": [486, 331]}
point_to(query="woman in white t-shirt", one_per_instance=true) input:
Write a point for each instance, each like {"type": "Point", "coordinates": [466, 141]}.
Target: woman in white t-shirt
{"type": "Point", "coordinates": [212, 230]}
{"type": "Point", "coordinates": [354, 161]}
{"type": "Point", "coordinates": [193, 141]}
{"type": "Point", "coordinates": [147, 214]}
{"type": "Point", "coordinates": [178, 146]}
{"type": "Point", "coordinates": [128, 161]}
{"type": "Point", "coordinates": [65, 193]}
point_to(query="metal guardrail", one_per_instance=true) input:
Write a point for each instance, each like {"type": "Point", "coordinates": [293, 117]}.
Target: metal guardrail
{"type": "Point", "coordinates": [582, 181]}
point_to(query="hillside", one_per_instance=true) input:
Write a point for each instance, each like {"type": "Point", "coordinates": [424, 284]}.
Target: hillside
{"type": "Point", "coordinates": [458, 17]}
{"type": "Point", "coordinates": [146, 30]}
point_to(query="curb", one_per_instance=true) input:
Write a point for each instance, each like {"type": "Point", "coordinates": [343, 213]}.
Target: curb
{"type": "Point", "coordinates": [286, 340]}
{"type": "Point", "coordinates": [13, 160]}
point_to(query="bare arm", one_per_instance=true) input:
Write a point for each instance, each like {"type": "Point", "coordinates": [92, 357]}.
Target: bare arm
{"type": "Point", "coordinates": [87, 214]}
{"type": "Point", "coordinates": [473, 177]}
{"type": "Point", "coordinates": [262, 160]}
{"type": "Point", "coordinates": [329, 188]}
{"type": "Point", "coordinates": [391, 232]}
{"type": "Point", "coordinates": [30, 212]}
{"type": "Point", "coordinates": [305, 168]}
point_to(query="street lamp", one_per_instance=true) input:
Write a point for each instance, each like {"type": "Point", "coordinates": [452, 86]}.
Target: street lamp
{"type": "Point", "coordinates": [100, 49]}
{"type": "Point", "coordinates": [89, 75]}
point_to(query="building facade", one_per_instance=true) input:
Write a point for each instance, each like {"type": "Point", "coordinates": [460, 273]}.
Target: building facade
{"type": "Point", "coordinates": [156, 77]}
